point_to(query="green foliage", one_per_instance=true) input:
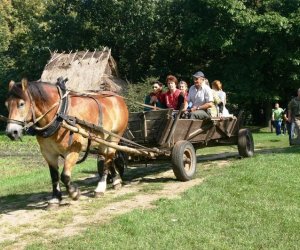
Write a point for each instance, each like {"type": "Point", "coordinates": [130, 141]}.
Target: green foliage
{"type": "Point", "coordinates": [136, 93]}
{"type": "Point", "coordinates": [5, 36]}
{"type": "Point", "coordinates": [250, 45]}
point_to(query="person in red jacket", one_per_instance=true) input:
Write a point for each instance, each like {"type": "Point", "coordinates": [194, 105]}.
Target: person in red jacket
{"type": "Point", "coordinates": [172, 98]}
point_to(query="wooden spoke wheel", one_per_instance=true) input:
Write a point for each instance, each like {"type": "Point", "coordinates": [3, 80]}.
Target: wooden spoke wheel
{"type": "Point", "coordinates": [245, 143]}
{"type": "Point", "coordinates": [183, 160]}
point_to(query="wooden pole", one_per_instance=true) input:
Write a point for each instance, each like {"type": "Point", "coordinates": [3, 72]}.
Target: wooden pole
{"type": "Point", "coordinates": [96, 138]}
{"type": "Point", "coordinates": [3, 118]}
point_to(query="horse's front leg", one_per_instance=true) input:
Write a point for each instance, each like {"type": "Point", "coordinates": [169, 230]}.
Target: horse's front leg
{"type": "Point", "coordinates": [70, 161]}
{"type": "Point", "coordinates": [52, 161]}
{"type": "Point", "coordinates": [56, 191]}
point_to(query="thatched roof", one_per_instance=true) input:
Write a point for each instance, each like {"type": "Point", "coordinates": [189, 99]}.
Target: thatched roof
{"type": "Point", "coordinates": [85, 71]}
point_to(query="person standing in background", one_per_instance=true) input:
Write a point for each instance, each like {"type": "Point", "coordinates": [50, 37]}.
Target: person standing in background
{"type": "Point", "coordinates": [287, 123]}
{"type": "Point", "coordinates": [277, 113]}
{"type": "Point", "coordinates": [294, 118]}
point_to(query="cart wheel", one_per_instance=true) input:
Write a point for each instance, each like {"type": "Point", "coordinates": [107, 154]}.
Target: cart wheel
{"type": "Point", "coordinates": [245, 143]}
{"type": "Point", "coordinates": [183, 160]}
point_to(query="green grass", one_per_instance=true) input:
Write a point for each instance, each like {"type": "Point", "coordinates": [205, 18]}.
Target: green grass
{"type": "Point", "coordinates": [24, 177]}
{"type": "Point", "coordinates": [252, 204]}
{"type": "Point", "coordinates": [262, 140]}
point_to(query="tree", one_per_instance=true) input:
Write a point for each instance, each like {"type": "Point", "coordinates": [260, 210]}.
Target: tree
{"type": "Point", "coordinates": [250, 45]}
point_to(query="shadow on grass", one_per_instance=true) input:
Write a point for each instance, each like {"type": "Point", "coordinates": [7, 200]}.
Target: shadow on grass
{"type": "Point", "coordinates": [39, 200]}
{"type": "Point", "coordinates": [138, 172]}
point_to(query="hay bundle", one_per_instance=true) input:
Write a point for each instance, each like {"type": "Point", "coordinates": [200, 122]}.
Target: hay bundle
{"type": "Point", "coordinates": [86, 71]}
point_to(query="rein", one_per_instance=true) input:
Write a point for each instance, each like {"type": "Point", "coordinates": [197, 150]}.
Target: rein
{"type": "Point", "coordinates": [30, 124]}
{"type": "Point", "coordinates": [36, 120]}
{"type": "Point", "coordinates": [26, 125]}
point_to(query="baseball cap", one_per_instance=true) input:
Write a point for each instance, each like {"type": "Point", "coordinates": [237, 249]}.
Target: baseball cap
{"type": "Point", "coordinates": [199, 74]}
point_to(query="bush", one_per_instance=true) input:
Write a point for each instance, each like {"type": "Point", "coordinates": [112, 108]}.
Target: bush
{"type": "Point", "coordinates": [136, 93]}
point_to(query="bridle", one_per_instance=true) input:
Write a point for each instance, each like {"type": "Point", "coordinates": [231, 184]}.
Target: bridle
{"type": "Point", "coordinates": [26, 120]}
{"type": "Point", "coordinates": [31, 119]}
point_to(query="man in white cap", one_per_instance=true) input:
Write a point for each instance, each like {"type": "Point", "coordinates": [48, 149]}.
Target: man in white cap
{"type": "Point", "coordinates": [200, 98]}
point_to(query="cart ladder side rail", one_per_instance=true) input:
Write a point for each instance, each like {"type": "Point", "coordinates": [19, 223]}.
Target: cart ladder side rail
{"type": "Point", "coordinates": [172, 130]}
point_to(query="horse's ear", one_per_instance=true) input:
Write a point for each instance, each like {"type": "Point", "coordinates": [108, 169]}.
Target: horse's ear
{"type": "Point", "coordinates": [11, 84]}
{"type": "Point", "coordinates": [24, 83]}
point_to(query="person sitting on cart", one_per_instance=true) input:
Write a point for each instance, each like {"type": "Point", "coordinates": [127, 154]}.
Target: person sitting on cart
{"type": "Point", "coordinates": [173, 98]}
{"type": "Point", "coordinates": [216, 87]}
{"type": "Point", "coordinates": [183, 87]}
{"type": "Point", "coordinates": [200, 99]}
{"type": "Point", "coordinates": [154, 98]}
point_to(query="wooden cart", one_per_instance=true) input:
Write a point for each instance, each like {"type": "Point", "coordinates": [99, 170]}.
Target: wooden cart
{"type": "Point", "coordinates": [157, 135]}
{"type": "Point", "coordinates": [177, 139]}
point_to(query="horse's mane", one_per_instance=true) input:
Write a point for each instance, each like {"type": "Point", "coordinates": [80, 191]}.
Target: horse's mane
{"type": "Point", "coordinates": [36, 90]}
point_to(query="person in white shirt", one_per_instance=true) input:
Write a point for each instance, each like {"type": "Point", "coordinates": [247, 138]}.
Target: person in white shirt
{"type": "Point", "coordinates": [200, 98]}
{"type": "Point", "coordinates": [217, 87]}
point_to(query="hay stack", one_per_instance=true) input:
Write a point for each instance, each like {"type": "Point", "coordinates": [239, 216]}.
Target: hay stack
{"type": "Point", "coordinates": [86, 71]}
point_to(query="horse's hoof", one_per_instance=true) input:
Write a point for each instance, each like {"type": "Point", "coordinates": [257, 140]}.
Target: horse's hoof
{"type": "Point", "coordinates": [75, 195]}
{"type": "Point", "coordinates": [98, 194]}
{"type": "Point", "coordinates": [53, 204]}
{"type": "Point", "coordinates": [117, 186]}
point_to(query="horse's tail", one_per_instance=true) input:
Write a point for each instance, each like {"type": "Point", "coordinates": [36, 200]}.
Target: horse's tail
{"type": "Point", "coordinates": [86, 153]}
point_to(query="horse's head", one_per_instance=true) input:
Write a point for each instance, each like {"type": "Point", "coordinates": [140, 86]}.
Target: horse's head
{"type": "Point", "coordinates": [18, 104]}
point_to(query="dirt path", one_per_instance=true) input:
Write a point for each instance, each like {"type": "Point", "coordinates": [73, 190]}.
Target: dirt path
{"type": "Point", "coordinates": [33, 222]}
{"type": "Point", "coordinates": [21, 227]}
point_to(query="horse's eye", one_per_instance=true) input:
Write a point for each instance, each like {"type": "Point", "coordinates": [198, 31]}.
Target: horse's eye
{"type": "Point", "coordinates": [21, 104]}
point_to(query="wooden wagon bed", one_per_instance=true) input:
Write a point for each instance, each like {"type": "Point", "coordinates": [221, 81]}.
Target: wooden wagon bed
{"type": "Point", "coordinates": [154, 128]}
{"type": "Point", "coordinates": [178, 138]}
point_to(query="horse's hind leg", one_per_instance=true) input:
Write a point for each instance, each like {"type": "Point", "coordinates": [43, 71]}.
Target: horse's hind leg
{"type": "Point", "coordinates": [121, 161]}
{"type": "Point", "coordinates": [103, 173]}
{"type": "Point", "coordinates": [117, 181]}
{"type": "Point", "coordinates": [70, 161]}
{"type": "Point", "coordinates": [111, 154]}
{"type": "Point", "coordinates": [104, 168]}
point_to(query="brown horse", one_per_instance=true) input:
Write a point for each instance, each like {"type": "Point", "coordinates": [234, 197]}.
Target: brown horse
{"type": "Point", "coordinates": [40, 104]}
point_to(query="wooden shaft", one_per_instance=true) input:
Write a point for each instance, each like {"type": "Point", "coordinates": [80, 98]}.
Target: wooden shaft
{"type": "Point", "coordinates": [93, 137]}
{"type": "Point", "coordinates": [3, 118]}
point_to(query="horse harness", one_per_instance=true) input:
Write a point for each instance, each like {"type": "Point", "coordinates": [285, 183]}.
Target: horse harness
{"type": "Point", "coordinates": [55, 124]}
{"type": "Point", "coordinates": [61, 115]}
